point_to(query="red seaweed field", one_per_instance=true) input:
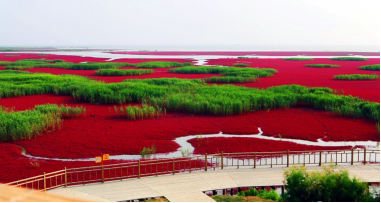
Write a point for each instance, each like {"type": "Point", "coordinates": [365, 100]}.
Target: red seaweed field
{"type": "Point", "coordinates": [102, 130]}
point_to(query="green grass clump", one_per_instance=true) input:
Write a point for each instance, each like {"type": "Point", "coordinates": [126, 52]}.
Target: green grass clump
{"type": "Point", "coordinates": [185, 95]}
{"type": "Point", "coordinates": [24, 125]}
{"type": "Point", "coordinates": [321, 65]}
{"type": "Point", "coordinates": [123, 72]}
{"type": "Point", "coordinates": [226, 71]}
{"type": "Point", "coordinates": [370, 67]}
{"type": "Point", "coordinates": [148, 151]}
{"type": "Point", "coordinates": [357, 77]}
{"type": "Point", "coordinates": [241, 65]}
{"type": "Point", "coordinates": [230, 79]}
{"type": "Point", "coordinates": [348, 59]}
{"type": "Point", "coordinates": [298, 59]}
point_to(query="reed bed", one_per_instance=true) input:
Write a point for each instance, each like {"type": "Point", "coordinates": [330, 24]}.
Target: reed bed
{"type": "Point", "coordinates": [135, 112]}
{"type": "Point", "coordinates": [184, 95]}
{"type": "Point", "coordinates": [11, 55]}
{"type": "Point", "coordinates": [241, 65]}
{"type": "Point", "coordinates": [230, 79]}
{"type": "Point", "coordinates": [27, 124]}
{"type": "Point", "coordinates": [226, 71]}
{"type": "Point", "coordinates": [357, 77]}
{"type": "Point", "coordinates": [322, 65]}
{"type": "Point", "coordinates": [299, 59]}
{"type": "Point", "coordinates": [370, 67]}
{"type": "Point", "coordinates": [348, 59]}
{"type": "Point", "coordinates": [243, 57]}
{"type": "Point", "coordinates": [123, 72]}
{"type": "Point", "coordinates": [58, 63]}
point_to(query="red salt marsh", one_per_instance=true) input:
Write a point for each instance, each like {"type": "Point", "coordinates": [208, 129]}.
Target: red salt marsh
{"type": "Point", "coordinates": [102, 131]}
{"type": "Point", "coordinates": [294, 72]}
{"type": "Point", "coordinates": [232, 145]}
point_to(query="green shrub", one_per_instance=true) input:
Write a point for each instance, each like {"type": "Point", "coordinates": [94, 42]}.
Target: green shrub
{"type": "Point", "coordinates": [357, 77]}
{"type": "Point", "coordinates": [123, 72]}
{"type": "Point", "coordinates": [298, 59]}
{"type": "Point", "coordinates": [370, 67]}
{"type": "Point", "coordinates": [321, 65]}
{"type": "Point", "coordinates": [23, 125]}
{"type": "Point", "coordinates": [228, 198]}
{"type": "Point", "coordinates": [241, 64]}
{"type": "Point", "coordinates": [327, 185]}
{"type": "Point", "coordinates": [348, 59]}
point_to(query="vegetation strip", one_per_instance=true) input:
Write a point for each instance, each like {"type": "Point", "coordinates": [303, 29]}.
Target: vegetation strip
{"type": "Point", "coordinates": [226, 71]}
{"type": "Point", "coordinates": [348, 59]}
{"type": "Point", "coordinates": [123, 72]}
{"type": "Point", "coordinates": [299, 59]}
{"type": "Point", "coordinates": [27, 124]}
{"type": "Point", "coordinates": [370, 67]}
{"type": "Point", "coordinates": [357, 77]}
{"type": "Point", "coordinates": [34, 63]}
{"type": "Point", "coordinates": [321, 65]}
{"type": "Point", "coordinates": [184, 95]}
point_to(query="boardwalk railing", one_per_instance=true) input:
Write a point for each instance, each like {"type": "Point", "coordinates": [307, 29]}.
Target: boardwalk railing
{"type": "Point", "coordinates": [155, 167]}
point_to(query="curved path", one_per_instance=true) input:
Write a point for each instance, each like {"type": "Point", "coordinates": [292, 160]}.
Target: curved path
{"type": "Point", "coordinates": [189, 187]}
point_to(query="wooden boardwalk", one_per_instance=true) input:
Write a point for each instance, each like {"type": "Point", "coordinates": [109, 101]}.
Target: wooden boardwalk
{"type": "Point", "coordinates": [189, 187]}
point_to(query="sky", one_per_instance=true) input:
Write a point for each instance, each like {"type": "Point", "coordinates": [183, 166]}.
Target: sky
{"type": "Point", "coordinates": [189, 22]}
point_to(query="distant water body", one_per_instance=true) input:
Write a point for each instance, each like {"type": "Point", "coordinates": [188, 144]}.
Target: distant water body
{"type": "Point", "coordinates": [345, 48]}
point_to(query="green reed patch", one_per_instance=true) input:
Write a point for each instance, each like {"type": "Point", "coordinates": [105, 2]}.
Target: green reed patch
{"type": "Point", "coordinates": [348, 59]}
{"type": "Point", "coordinates": [241, 65]}
{"type": "Point", "coordinates": [357, 77]}
{"type": "Point", "coordinates": [370, 67]}
{"type": "Point", "coordinates": [11, 55]}
{"type": "Point", "coordinates": [123, 72]}
{"type": "Point", "coordinates": [22, 125]}
{"type": "Point", "coordinates": [135, 112]}
{"type": "Point", "coordinates": [226, 71]}
{"type": "Point", "coordinates": [299, 59]}
{"type": "Point", "coordinates": [321, 65]}
{"type": "Point", "coordinates": [230, 79]}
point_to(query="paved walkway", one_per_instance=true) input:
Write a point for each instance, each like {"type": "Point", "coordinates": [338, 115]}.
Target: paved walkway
{"type": "Point", "coordinates": [189, 187]}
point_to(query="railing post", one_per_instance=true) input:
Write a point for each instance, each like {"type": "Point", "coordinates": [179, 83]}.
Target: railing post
{"type": "Point", "coordinates": [65, 178]}
{"type": "Point", "coordinates": [288, 160]}
{"type": "Point", "coordinates": [352, 157]}
{"type": "Point", "coordinates": [364, 155]}
{"type": "Point", "coordinates": [103, 175]}
{"type": "Point", "coordinates": [206, 162]}
{"type": "Point", "coordinates": [139, 169]}
{"type": "Point", "coordinates": [173, 166]}
{"type": "Point", "coordinates": [255, 160]}
{"type": "Point", "coordinates": [44, 182]}
{"type": "Point", "coordinates": [320, 158]}
{"type": "Point", "coordinates": [222, 160]}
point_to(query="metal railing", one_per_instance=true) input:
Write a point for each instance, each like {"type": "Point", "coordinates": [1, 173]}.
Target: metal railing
{"type": "Point", "coordinates": [156, 167]}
